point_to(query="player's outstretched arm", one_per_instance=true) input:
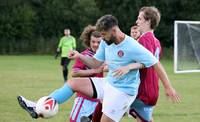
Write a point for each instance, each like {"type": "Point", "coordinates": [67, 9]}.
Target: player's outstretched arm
{"type": "Point", "coordinates": [86, 73]}
{"type": "Point", "coordinates": [89, 61]}
{"type": "Point", "coordinates": [169, 90]}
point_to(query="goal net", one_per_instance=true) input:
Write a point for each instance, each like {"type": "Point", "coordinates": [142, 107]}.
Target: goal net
{"type": "Point", "coordinates": [186, 46]}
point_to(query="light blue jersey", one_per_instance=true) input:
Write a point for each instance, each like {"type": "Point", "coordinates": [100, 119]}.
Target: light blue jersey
{"type": "Point", "coordinates": [125, 53]}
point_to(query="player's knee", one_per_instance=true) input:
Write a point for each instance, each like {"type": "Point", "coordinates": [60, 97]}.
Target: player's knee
{"type": "Point", "coordinates": [151, 119]}
{"type": "Point", "coordinates": [104, 118]}
{"type": "Point", "coordinates": [138, 119]}
{"type": "Point", "coordinates": [72, 84]}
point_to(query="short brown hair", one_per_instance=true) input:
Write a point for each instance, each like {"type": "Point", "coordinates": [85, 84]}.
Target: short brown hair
{"type": "Point", "coordinates": [87, 33]}
{"type": "Point", "coordinates": [67, 29]}
{"type": "Point", "coordinates": [106, 22]}
{"type": "Point", "coordinates": [134, 27]}
{"type": "Point", "coordinates": [153, 14]}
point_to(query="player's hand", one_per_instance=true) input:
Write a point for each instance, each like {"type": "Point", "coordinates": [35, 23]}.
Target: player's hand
{"type": "Point", "coordinates": [172, 94]}
{"type": "Point", "coordinates": [121, 71]}
{"type": "Point", "coordinates": [73, 54]}
{"type": "Point", "coordinates": [58, 50]}
{"type": "Point", "coordinates": [99, 69]}
{"type": "Point", "coordinates": [105, 68]}
{"type": "Point", "coordinates": [57, 54]}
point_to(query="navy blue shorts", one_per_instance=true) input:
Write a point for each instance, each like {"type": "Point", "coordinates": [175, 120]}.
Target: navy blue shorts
{"type": "Point", "coordinates": [64, 61]}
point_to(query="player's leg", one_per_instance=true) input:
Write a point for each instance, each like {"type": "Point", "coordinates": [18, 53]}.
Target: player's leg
{"type": "Point", "coordinates": [95, 116]}
{"type": "Point", "coordinates": [83, 107]}
{"type": "Point", "coordinates": [97, 113]}
{"type": "Point", "coordinates": [74, 115]}
{"type": "Point", "coordinates": [66, 71]}
{"type": "Point", "coordinates": [88, 108]}
{"type": "Point", "coordinates": [98, 92]}
{"type": "Point", "coordinates": [82, 85]}
{"type": "Point", "coordinates": [64, 63]}
{"type": "Point", "coordinates": [140, 120]}
{"type": "Point", "coordinates": [105, 118]}
{"type": "Point", "coordinates": [141, 111]}
{"type": "Point", "coordinates": [115, 104]}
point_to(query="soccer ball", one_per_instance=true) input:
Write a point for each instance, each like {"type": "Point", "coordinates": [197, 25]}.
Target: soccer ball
{"type": "Point", "coordinates": [46, 107]}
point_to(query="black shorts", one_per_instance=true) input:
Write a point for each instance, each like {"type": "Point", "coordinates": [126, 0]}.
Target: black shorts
{"type": "Point", "coordinates": [64, 61]}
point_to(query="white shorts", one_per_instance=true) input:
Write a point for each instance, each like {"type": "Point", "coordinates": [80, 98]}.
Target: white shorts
{"type": "Point", "coordinates": [115, 102]}
{"type": "Point", "coordinates": [82, 107]}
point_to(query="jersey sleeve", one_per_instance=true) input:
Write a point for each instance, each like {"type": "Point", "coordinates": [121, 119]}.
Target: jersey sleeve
{"type": "Point", "coordinates": [100, 54]}
{"type": "Point", "coordinates": [78, 65]}
{"type": "Point", "coordinates": [142, 42]}
{"type": "Point", "coordinates": [144, 56]}
{"type": "Point", "coordinates": [156, 49]}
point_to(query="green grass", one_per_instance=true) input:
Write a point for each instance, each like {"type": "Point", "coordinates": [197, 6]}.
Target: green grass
{"type": "Point", "coordinates": [188, 64]}
{"type": "Point", "coordinates": [36, 76]}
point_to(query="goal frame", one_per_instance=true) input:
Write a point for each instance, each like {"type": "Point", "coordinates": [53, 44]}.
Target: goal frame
{"type": "Point", "coordinates": [176, 46]}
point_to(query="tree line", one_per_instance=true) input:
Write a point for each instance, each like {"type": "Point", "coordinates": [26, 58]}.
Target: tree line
{"type": "Point", "coordinates": [35, 26]}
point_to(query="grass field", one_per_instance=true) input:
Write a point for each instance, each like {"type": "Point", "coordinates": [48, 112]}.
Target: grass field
{"type": "Point", "coordinates": [36, 76]}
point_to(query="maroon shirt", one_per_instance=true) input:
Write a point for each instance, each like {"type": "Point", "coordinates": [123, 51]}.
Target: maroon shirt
{"type": "Point", "coordinates": [79, 65]}
{"type": "Point", "coordinates": [149, 86]}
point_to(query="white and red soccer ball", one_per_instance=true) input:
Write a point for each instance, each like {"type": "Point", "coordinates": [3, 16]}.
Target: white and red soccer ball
{"type": "Point", "coordinates": [46, 107]}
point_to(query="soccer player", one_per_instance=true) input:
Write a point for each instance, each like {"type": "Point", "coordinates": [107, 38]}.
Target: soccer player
{"type": "Point", "coordinates": [119, 89]}
{"type": "Point", "coordinates": [84, 106]}
{"type": "Point", "coordinates": [142, 107]}
{"type": "Point", "coordinates": [67, 43]}
{"type": "Point", "coordinates": [135, 33]}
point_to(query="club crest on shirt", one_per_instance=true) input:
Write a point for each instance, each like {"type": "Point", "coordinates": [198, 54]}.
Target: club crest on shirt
{"type": "Point", "coordinates": [120, 53]}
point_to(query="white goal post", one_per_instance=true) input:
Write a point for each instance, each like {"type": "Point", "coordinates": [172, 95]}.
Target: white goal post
{"type": "Point", "coordinates": [186, 46]}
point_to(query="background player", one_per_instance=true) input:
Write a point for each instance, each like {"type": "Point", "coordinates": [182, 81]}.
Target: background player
{"type": "Point", "coordinates": [142, 108]}
{"type": "Point", "coordinates": [66, 43]}
{"type": "Point", "coordinates": [148, 20]}
{"type": "Point", "coordinates": [83, 105]}
{"type": "Point", "coordinates": [135, 33]}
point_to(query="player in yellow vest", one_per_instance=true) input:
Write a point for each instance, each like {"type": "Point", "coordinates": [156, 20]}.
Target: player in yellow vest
{"type": "Point", "coordinates": [67, 43]}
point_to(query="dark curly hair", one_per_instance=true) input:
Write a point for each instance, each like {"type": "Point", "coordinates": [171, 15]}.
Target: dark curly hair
{"type": "Point", "coordinates": [87, 33]}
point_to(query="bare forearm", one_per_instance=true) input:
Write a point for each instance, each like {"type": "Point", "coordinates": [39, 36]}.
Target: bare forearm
{"type": "Point", "coordinates": [125, 69]}
{"type": "Point", "coordinates": [134, 66]}
{"type": "Point", "coordinates": [83, 73]}
{"type": "Point", "coordinates": [90, 61]}
{"type": "Point", "coordinates": [162, 75]}
{"type": "Point", "coordinates": [169, 90]}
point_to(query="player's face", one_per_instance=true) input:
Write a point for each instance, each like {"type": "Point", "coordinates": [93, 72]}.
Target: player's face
{"type": "Point", "coordinates": [142, 23]}
{"type": "Point", "coordinates": [67, 32]}
{"type": "Point", "coordinates": [135, 33]}
{"type": "Point", "coordinates": [94, 43]}
{"type": "Point", "coordinates": [109, 36]}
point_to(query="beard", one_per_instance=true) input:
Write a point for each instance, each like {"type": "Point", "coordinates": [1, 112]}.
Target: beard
{"type": "Point", "coordinates": [112, 40]}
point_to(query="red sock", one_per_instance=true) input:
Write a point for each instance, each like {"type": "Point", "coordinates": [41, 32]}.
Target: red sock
{"type": "Point", "coordinates": [97, 113]}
